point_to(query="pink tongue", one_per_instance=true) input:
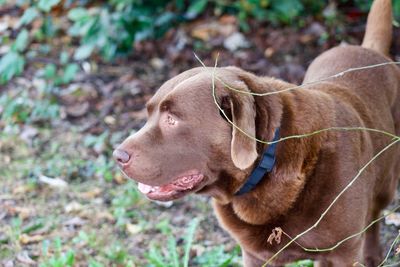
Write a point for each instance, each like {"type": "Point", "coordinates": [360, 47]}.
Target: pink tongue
{"type": "Point", "coordinates": [144, 188]}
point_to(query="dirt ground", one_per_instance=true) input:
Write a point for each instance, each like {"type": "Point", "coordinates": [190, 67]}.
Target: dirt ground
{"type": "Point", "coordinates": [60, 192]}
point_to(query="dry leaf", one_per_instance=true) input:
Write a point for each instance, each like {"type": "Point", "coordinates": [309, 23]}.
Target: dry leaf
{"type": "Point", "coordinates": [53, 182]}
{"type": "Point", "coordinates": [22, 189]}
{"type": "Point", "coordinates": [397, 251]}
{"type": "Point", "coordinates": [105, 215]}
{"type": "Point", "coordinates": [27, 239]}
{"type": "Point", "coordinates": [73, 207]}
{"type": "Point", "coordinates": [76, 221]}
{"type": "Point", "coordinates": [95, 192]}
{"type": "Point", "coordinates": [23, 212]}
{"type": "Point", "coordinates": [393, 219]}
{"type": "Point", "coordinates": [24, 258]}
{"type": "Point", "coordinates": [119, 178]}
{"type": "Point", "coordinates": [133, 228]}
{"type": "Point", "coordinates": [275, 235]}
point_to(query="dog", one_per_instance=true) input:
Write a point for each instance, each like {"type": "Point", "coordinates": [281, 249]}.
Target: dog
{"type": "Point", "coordinates": [189, 146]}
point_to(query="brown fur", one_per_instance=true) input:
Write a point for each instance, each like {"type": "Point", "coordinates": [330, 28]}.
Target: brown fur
{"type": "Point", "coordinates": [309, 172]}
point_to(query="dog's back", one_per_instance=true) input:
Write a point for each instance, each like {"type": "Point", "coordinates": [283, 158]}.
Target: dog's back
{"type": "Point", "coordinates": [371, 96]}
{"type": "Point", "coordinates": [384, 89]}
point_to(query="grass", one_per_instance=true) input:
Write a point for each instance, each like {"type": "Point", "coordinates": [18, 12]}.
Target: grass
{"type": "Point", "coordinates": [99, 218]}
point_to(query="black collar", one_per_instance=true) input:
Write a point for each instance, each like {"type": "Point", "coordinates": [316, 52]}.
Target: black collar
{"type": "Point", "coordinates": [265, 165]}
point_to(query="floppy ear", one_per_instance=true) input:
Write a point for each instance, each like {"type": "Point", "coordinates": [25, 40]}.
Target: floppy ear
{"type": "Point", "coordinates": [243, 114]}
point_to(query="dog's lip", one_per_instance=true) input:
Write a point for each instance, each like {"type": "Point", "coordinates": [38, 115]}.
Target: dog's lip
{"type": "Point", "coordinates": [186, 183]}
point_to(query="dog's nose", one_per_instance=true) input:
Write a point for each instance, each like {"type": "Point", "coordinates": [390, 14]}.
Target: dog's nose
{"type": "Point", "coordinates": [121, 156]}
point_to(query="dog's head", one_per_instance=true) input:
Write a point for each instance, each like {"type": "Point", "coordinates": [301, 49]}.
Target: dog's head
{"type": "Point", "coordinates": [186, 143]}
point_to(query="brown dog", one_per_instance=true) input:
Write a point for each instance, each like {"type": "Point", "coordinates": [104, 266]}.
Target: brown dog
{"type": "Point", "coordinates": [187, 146]}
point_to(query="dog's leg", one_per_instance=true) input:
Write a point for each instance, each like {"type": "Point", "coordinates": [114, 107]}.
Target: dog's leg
{"type": "Point", "coordinates": [372, 249]}
{"type": "Point", "coordinates": [322, 263]}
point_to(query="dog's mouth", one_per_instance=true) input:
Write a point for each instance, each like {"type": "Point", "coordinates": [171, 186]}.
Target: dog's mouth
{"type": "Point", "coordinates": [184, 184]}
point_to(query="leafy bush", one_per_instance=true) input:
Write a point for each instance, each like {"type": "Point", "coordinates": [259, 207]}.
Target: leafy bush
{"type": "Point", "coordinates": [110, 28]}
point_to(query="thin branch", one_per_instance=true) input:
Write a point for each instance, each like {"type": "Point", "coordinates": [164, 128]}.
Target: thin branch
{"type": "Point", "coordinates": [390, 249]}
{"type": "Point", "coordinates": [394, 141]}
{"type": "Point", "coordinates": [345, 239]}
{"type": "Point", "coordinates": [333, 202]}
{"type": "Point", "coordinates": [337, 75]}
{"type": "Point", "coordinates": [287, 137]}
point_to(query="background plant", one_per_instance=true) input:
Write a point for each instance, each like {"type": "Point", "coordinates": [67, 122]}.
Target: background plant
{"type": "Point", "coordinates": [74, 79]}
{"type": "Point", "coordinates": [111, 28]}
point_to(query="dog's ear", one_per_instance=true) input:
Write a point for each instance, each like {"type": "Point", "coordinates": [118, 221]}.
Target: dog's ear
{"type": "Point", "coordinates": [243, 115]}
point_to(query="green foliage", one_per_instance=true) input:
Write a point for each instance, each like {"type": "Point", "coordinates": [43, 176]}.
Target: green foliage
{"type": "Point", "coordinates": [301, 263]}
{"type": "Point", "coordinates": [112, 28]}
{"type": "Point", "coordinates": [60, 258]}
{"type": "Point", "coordinates": [11, 64]}
{"type": "Point", "coordinates": [21, 108]}
{"type": "Point", "coordinates": [62, 75]}
{"type": "Point", "coordinates": [125, 198]}
{"type": "Point", "coordinates": [217, 257]}
{"type": "Point", "coordinates": [171, 256]}
{"type": "Point", "coordinates": [175, 256]}
{"type": "Point", "coordinates": [118, 254]}
{"type": "Point", "coordinates": [47, 5]}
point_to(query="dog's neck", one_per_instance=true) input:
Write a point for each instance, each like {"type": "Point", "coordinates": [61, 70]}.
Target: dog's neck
{"type": "Point", "coordinates": [296, 158]}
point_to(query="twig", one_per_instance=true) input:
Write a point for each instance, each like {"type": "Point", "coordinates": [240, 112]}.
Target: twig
{"type": "Point", "coordinates": [287, 137]}
{"type": "Point", "coordinates": [333, 202]}
{"type": "Point", "coordinates": [395, 138]}
{"type": "Point", "coordinates": [345, 239]}
{"type": "Point", "coordinates": [390, 249]}
{"type": "Point", "coordinates": [309, 83]}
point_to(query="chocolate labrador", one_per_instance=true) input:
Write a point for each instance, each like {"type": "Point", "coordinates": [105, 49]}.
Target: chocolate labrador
{"type": "Point", "coordinates": [189, 146]}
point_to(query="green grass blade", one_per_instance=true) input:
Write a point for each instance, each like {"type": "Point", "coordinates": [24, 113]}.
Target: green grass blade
{"type": "Point", "coordinates": [172, 250]}
{"type": "Point", "coordinates": [189, 240]}
{"type": "Point", "coordinates": [155, 258]}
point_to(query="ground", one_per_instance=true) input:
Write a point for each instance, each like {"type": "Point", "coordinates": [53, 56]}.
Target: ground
{"type": "Point", "coordinates": [63, 201]}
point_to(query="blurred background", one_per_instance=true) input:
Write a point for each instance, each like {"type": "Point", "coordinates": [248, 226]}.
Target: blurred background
{"type": "Point", "coordinates": [74, 78]}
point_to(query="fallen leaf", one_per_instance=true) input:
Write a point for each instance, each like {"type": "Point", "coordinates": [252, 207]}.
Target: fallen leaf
{"type": "Point", "coordinates": [119, 178]}
{"type": "Point", "coordinates": [236, 41]}
{"type": "Point", "coordinates": [22, 189]}
{"type": "Point", "coordinates": [157, 63]}
{"type": "Point", "coordinates": [73, 207]}
{"type": "Point", "coordinates": [27, 239]}
{"type": "Point", "coordinates": [228, 19]}
{"type": "Point", "coordinates": [212, 29]}
{"type": "Point", "coordinates": [269, 52]}
{"type": "Point", "coordinates": [95, 192]}
{"type": "Point", "coordinates": [8, 263]}
{"type": "Point", "coordinates": [110, 120]}
{"type": "Point", "coordinates": [24, 258]}
{"type": "Point", "coordinates": [23, 212]}
{"type": "Point", "coordinates": [393, 218]}
{"type": "Point", "coordinates": [78, 110]}
{"type": "Point", "coordinates": [75, 221]}
{"type": "Point", "coordinates": [133, 228]}
{"type": "Point", "coordinates": [275, 235]}
{"type": "Point", "coordinates": [53, 182]}
{"type": "Point", "coordinates": [165, 204]}
{"type": "Point", "coordinates": [105, 215]}
{"type": "Point", "coordinates": [28, 133]}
